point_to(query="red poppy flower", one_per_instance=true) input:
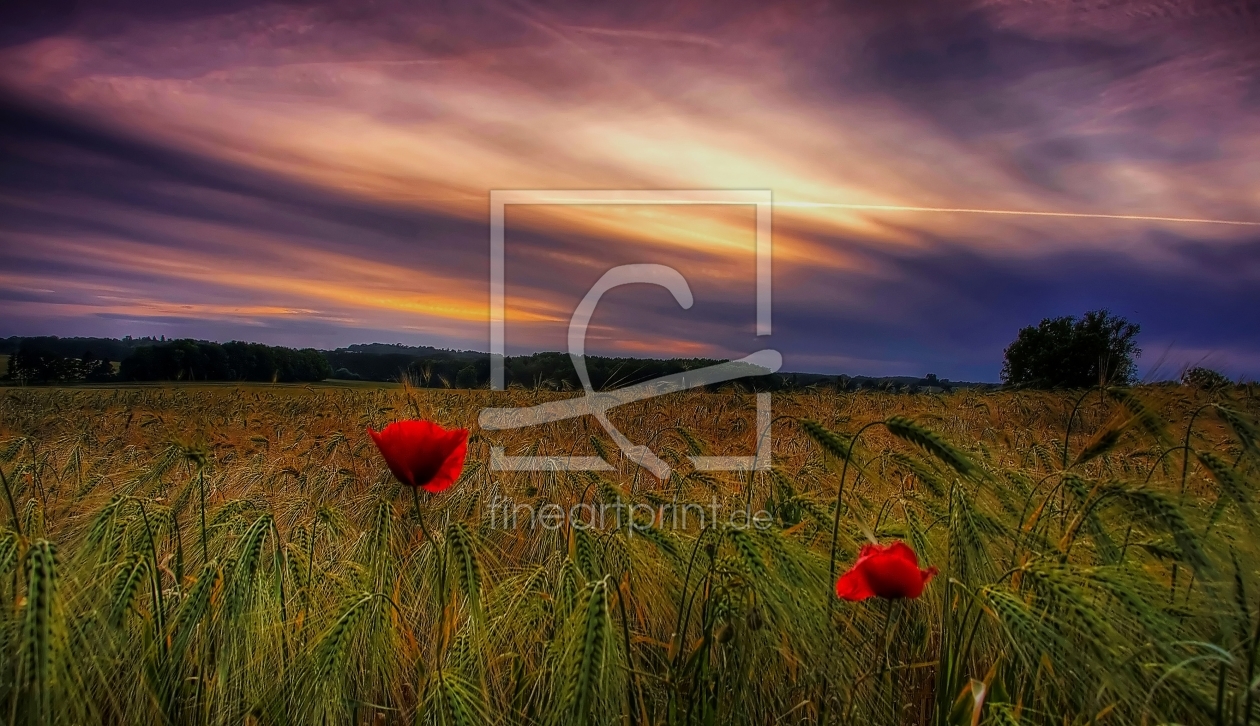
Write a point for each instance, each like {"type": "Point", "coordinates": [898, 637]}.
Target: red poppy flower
{"type": "Point", "coordinates": [890, 571]}
{"type": "Point", "coordinates": [423, 454]}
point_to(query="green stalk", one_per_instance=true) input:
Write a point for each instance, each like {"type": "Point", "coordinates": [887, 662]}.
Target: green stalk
{"type": "Point", "coordinates": [632, 679]}
{"type": "Point", "coordinates": [1185, 457]}
{"type": "Point", "coordinates": [1220, 695]}
{"type": "Point", "coordinates": [1067, 434]}
{"type": "Point", "coordinates": [835, 524]}
{"type": "Point", "coordinates": [415, 498]}
{"type": "Point", "coordinates": [284, 610]}
{"type": "Point", "coordinates": [201, 485]}
{"type": "Point", "coordinates": [310, 562]}
{"type": "Point", "coordinates": [945, 671]}
{"type": "Point", "coordinates": [179, 550]}
{"type": "Point", "coordinates": [1251, 669]}
{"type": "Point", "coordinates": [682, 602]}
{"type": "Point", "coordinates": [159, 617]}
{"type": "Point", "coordinates": [8, 493]}
{"type": "Point", "coordinates": [884, 645]}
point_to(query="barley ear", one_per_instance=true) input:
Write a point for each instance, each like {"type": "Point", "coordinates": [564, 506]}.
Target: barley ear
{"type": "Point", "coordinates": [1102, 443]}
{"type": "Point", "coordinates": [1247, 433]}
{"type": "Point", "coordinates": [953, 457]}
{"type": "Point", "coordinates": [126, 587]}
{"type": "Point", "coordinates": [587, 666]}
{"type": "Point", "coordinates": [194, 608]}
{"type": "Point", "coordinates": [39, 630]}
{"type": "Point", "coordinates": [831, 442]}
{"type": "Point", "coordinates": [467, 566]}
{"type": "Point", "coordinates": [1231, 482]}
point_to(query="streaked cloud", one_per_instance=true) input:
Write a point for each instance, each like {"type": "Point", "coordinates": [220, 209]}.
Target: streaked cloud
{"type": "Point", "coordinates": [256, 166]}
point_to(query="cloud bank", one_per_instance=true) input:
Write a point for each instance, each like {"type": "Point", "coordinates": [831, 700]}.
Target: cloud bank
{"type": "Point", "coordinates": [314, 174]}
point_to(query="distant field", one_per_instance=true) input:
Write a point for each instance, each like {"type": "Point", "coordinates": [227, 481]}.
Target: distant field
{"type": "Point", "coordinates": [1114, 582]}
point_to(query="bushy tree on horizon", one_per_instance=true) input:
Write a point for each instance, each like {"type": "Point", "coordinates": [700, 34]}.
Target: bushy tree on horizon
{"type": "Point", "coordinates": [1071, 352]}
{"type": "Point", "coordinates": [1205, 378]}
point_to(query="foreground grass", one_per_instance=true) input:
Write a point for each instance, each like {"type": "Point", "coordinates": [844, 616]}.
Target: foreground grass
{"type": "Point", "coordinates": [226, 554]}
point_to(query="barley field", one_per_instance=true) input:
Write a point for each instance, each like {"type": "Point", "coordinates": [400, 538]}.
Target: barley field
{"type": "Point", "coordinates": [228, 555]}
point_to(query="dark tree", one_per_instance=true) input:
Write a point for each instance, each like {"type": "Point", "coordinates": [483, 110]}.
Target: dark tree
{"type": "Point", "coordinates": [96, 369]}
{"type": "Point", "coordinates": [191, 360]}
{"type": "Point", "coordinates": [1073, 352]}
{"type": "Point", "coordinates": [35, 362]}
{"type": "Point", "coordinates": [466, 378]}
{"type": "Point", "coordinates": [1205, 378]}
{"type": "Point", "coordinates": [38, 360]}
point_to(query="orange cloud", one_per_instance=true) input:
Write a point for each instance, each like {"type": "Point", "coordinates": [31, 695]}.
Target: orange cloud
{"type": "Point", "coordinates": [440, 134]}
{"type": "Point", "coordinates": [861, 158]}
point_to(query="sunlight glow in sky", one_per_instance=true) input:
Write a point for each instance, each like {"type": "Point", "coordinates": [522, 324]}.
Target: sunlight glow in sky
{"type": "Point", "coordinates": [319, 175]}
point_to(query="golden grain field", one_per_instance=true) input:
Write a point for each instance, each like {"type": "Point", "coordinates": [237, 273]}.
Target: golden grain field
{"type": "Point", "coordinates": [241, 554]}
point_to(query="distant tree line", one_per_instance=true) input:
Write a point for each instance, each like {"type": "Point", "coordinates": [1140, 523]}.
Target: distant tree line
{"type": "Point", "coordinates": [191, 360]}
{"type": "Point", "coordinates": [114, 349]}
{"type": "Point", "coordinates": [358, 366]}
{"type": "Point", "coordinates": [552, 371]}
{"type": "Point", "coordinates": [555, 371]}
{"type": "Point", "coordinates": [44, 361]}
{"type": "Point", "coordinates": [1098, 348]}
{"type": "Point", "coordinates": [34, 362]}
{"type": "Point", "coordinates": [49, 360]}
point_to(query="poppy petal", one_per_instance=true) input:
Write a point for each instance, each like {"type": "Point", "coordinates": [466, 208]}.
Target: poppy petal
{"type": "Point", "coordinates": [868, 550]}
{"type": "Point", "coordinates": [451, 466]}
{"type": "Point", "coordinates": [394, 457]}
{"type": "Point", "coordinates": [902, 550]}
{"type": "Point", "coordinates": [889, 571]}
{"type": "Point", "coordinates": [422, 453]}
{"type": "Point", "coordinates": [853, 585]}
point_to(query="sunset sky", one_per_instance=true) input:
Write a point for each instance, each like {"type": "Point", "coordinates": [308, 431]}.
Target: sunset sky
{"type": "Point", "coordinates": [319, 174]}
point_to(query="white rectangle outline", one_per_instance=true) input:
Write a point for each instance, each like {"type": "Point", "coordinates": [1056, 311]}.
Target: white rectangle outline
{"type": "Point", "coordinates": [762, 199]}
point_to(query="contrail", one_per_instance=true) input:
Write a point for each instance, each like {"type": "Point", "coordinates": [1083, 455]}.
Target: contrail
{"type": "Point", "coordinates": [1017, 212]}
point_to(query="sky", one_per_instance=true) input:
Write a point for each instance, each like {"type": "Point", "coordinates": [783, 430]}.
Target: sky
{"type": "Point", "coordinates": [318, 174]}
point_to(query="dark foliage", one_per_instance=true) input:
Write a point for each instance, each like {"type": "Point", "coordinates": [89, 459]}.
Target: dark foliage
{"type": "Point", "coordinates": [555, 370]}
{"type": "Point", "coordinates": [540, 370]}
{"type": "Point", "coordinates": [50, 360]}
{"type": "Point", "coordinates": [115, 349]}
{"type": "Point", "coordinates": [191, 360]}
{"type": "Point", "coordinates": [1205, 378]}
{"type": "Point", "coordinates": [1071, 352]}
{"type": "Point", "coordinates": [467, 378]}
{"type": "Point", "coordinates": [415, 351]}
{"type": "Point", "coordinates": [36, 362]}
{"type": "Point", "coordinates": [424, 372]}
